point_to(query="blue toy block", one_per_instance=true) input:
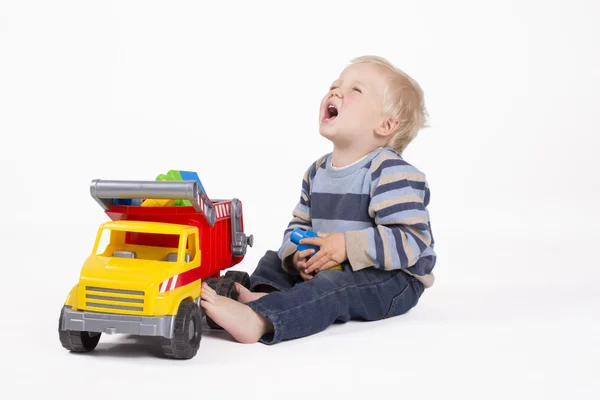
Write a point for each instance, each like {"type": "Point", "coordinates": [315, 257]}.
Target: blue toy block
{"type": "Point", "coordinates": [298, 234]}
{"type": "Point", "coordinates": [191, 176]}
{"type": "Point", "coordinates": [127, 202]}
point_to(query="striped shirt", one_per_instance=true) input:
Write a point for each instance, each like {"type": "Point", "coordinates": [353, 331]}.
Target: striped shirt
{"type": "Point", "coordinates": [379, 203]}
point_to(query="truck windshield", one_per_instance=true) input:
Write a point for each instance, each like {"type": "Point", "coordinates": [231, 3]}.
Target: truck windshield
{"type": "Point", "coordinates": [138, 245]}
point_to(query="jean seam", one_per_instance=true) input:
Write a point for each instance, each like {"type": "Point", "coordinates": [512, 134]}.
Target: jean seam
{"type": "Point", "coordinates": [394, 301]}
{"type": "Point", "coordinates": [258, 280]}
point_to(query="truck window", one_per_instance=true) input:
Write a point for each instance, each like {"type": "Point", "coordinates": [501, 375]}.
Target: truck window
{"type": "Point", "coordinates": [192, 247]}
{"type": "Point", "coordinates": [139, 246]}
{"type": "Point", "coordinates": [104, 242]}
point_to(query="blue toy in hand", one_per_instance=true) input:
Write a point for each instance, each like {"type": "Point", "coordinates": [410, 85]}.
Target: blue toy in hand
{"type": "Point", "coordinates": [299, 234]}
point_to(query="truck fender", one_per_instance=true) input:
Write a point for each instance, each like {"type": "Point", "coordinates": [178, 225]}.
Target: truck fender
{"type": "Point", "coordinates": [180, 299]}
{"type": "Point", "coordinates": [71, 299]}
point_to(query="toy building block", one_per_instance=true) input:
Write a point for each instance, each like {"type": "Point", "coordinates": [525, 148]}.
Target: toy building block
{"type": "Point", "coordinates": [123, 202]}
{"type": "Point", "coordinates": [169, 176]}
{"type": "Point", "coordinates": [158, 203]}
{"type": "Point", "coordinates": [191, 176]}
{"type": "Point", "coordinates": [175, 175]}
{"type": "Point", "coordinates": [298, 234]}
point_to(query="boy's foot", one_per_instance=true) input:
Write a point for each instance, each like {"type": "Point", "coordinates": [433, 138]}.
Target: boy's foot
{"type": "Point", "coordinates": [246, 296]}
{"type": "Point", "coordinates": [242, 322]}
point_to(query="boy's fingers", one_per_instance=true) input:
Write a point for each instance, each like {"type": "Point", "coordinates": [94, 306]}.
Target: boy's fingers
{"type": "Point", "coordinates": [305, 276]}
{"type": "Point", "coordinates": [311, 267]}
{"type": "Point", "coordinates": [305, 253]}
{"type": "Point", "coordinates": [314, 259]}
{"type": "Point", "coordinates": [314, 268]}
{"type": "Point", "coordinates": [317, 241]}
{"type": "Point", "coordinates": [327, 265]}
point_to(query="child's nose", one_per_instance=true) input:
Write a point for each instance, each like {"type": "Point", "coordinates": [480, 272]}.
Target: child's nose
{"type": "Point", "coordinates": [337, 93]}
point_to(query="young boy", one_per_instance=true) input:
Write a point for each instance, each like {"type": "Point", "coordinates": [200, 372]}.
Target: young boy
{"type": "Point", "coordinates": [370, 208]}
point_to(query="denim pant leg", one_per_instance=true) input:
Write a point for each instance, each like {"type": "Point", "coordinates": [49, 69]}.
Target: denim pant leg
{"type": "Point", "coordinates": [306, 308]}
{"type": "Point", "coordinates": [270, 273]}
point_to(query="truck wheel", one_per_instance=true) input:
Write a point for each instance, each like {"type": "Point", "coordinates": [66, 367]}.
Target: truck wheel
{"type": "Point", "coordinates": [240, 277]}
{"type": "Point", "coordinates": [77, 341]}
{"type": "Point", "coordinates": [223, 287]}
{"type": "Point", "coordinates": [187, 332]}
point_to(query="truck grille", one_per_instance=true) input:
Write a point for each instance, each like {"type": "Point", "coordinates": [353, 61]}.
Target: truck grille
{"type": "Point", "coordinates": [111, 300]}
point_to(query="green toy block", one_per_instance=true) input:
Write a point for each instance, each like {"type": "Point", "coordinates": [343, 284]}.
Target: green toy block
{"type": "Point", "coordinates": [174, 175]}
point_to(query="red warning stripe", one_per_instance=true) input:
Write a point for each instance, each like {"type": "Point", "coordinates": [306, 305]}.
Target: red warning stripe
{"type": "Point", "coordinates": [180, 280]}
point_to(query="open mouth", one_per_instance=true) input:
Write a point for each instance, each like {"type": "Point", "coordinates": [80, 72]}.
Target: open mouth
{"type": "Point", "coordinates": [331, 112]}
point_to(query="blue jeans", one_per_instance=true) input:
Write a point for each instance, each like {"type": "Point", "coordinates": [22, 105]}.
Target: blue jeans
{"type": "Point", "coordinates": [299, 308]}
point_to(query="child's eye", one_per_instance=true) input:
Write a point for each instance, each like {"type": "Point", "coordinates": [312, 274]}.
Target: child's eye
{"type": "Point", "coordinates": [357, 89]}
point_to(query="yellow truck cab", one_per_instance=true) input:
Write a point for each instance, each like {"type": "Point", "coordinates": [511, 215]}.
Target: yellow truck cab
{"type": "Point", "coordinates": [146, 279]}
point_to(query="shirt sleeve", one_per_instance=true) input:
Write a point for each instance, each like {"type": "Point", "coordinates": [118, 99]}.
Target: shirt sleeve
{"type": "Point", "coordinates": [300, 219]}
{"type": "Point", "coordinates": [401, 237]}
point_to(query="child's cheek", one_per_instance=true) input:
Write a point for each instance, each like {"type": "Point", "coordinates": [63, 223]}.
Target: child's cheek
{"type": "Point", "coordinates": [357, 104]}
{"type": "Point", "coordinates": [353, 96]}
{"type": "Point", "coordinates": [351, 100]}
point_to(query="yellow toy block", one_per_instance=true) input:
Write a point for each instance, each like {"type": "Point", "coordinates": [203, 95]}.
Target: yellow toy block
{"type": "Point", "coordinates": [158, 203]}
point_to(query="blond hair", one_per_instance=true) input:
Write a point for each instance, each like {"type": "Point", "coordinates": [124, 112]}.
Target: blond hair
{"type": "Point", "coordinates": [403, 101]}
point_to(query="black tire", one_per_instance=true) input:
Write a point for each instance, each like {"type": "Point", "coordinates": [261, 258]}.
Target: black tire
{"type": "Point", "coordinates": [77, 341]}
{"type": "Point", "coordinates": [240, 277]}
{"type": "Point", "coordinates": [187, 332]}
{"type": "Point", "coordinates": [223, 287]}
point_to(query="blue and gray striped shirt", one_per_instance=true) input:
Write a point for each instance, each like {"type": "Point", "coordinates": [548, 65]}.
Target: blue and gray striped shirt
{"type": "Point", "coordinates": [379, 203]}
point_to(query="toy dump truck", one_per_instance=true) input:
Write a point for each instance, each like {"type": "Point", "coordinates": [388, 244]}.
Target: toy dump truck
{"type": "Point", "coordinates": [147, 265]}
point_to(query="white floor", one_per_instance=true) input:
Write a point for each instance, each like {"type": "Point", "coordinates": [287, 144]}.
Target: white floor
{"type": "Point", "coordinates": [518, 324]}
{"type": "Point", "coordinates": [478, 343]}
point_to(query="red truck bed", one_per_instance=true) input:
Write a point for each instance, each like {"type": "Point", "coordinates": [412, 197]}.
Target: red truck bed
{"type": "Point", "coordinates": [220, 224]}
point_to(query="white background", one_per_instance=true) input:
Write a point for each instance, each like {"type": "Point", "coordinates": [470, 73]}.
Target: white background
{"type": "Point", "coordinates": [129, 90]}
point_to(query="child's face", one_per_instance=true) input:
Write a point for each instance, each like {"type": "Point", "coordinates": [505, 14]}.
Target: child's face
{"type": "Point", "coordinates": [353, 107]}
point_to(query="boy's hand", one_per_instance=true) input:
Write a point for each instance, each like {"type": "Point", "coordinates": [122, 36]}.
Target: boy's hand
{"type": "Point", "coordinates": [331, 253]}
{"type": "Point", "coordinates": [299, 261]}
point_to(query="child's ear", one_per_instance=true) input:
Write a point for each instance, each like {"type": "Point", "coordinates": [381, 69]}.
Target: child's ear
{"type": "Point", "coordinates": [387, 127]}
